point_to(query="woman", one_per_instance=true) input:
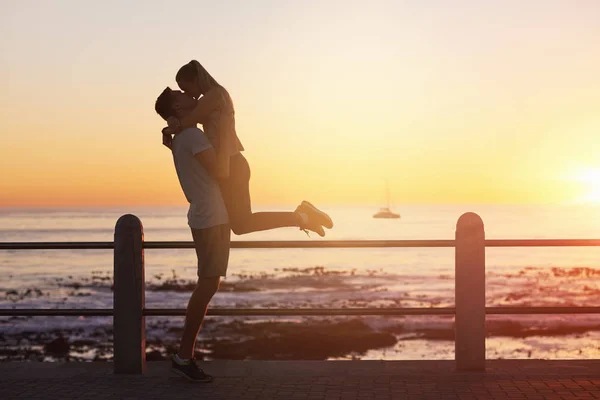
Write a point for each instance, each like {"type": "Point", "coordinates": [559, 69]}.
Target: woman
{"type": "Point", "coordinates": [215, 112]}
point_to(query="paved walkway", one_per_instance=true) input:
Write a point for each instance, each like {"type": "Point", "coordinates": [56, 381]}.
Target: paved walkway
{"type": "Point", "coordinates": [504, 379]}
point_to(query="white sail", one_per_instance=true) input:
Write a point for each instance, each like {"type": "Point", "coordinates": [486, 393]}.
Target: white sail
{"type": "Point", "coordinates": [386, 212]}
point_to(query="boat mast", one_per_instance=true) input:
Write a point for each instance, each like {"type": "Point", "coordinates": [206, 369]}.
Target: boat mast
{"type": "Point", "coordinates": [387, 194]}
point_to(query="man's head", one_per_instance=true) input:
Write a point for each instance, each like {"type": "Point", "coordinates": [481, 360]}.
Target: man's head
{"type": "Point", "coordinates": [173, 103]}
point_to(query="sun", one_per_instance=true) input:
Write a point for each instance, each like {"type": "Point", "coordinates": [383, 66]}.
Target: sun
{"type": "Point", "coordinates": [590, 177]}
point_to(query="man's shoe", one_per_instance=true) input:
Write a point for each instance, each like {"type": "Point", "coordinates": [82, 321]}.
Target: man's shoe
{"type": "Point", "coordinates": [190, 371]}
{"type": "Point", "coordinates": [314, 214]}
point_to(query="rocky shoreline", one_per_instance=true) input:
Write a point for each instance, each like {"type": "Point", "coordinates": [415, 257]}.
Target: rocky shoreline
{"type": "Point", "coordinates": [247, 339]}
{"type": "Point", "coordinates": [312, 338]}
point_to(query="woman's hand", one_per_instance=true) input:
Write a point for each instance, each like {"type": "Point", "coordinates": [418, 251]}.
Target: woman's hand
{"type": "Point", "coordinates": [168, 131]}
{"type": "Point", "coordinates": [174, 124]}
{"type": "Point", "coordinates": [167, 139]}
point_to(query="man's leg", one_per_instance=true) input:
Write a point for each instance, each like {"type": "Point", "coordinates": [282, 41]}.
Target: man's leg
{"type": "Point", "coordinates": [212, 248]}
{"type": "Point", "coordinates": [194, 315]}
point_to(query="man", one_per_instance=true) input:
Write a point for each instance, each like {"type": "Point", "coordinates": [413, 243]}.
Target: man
{"type": "Point", "coordinates": [196, 165]}
{"type": "Point", "coordinates": [197, 169]}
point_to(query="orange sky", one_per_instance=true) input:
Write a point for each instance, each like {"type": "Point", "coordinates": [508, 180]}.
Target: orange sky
{"type": "Point", "coordinates": [469, 103]}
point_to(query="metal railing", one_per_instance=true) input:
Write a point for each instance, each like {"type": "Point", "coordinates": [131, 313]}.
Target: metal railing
{"type": "Point", "coordinates": [129, 287]}
{"type": "Point", "coordinates": [300, 244]}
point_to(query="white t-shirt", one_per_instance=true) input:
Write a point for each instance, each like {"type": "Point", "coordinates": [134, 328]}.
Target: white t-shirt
{"type": "Point", "coordinates": [201, 190]}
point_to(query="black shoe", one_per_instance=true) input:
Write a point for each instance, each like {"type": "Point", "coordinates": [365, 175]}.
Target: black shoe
{"type": "Point", "coordinates": [190, 371]}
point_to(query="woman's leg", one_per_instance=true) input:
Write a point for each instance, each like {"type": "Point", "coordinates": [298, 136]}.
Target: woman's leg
{"type": "Point", "coordinates": [236, 193]}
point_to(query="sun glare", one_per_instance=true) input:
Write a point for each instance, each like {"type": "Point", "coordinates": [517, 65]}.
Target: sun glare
{"type": "Point", "coordinates": [591, 178]}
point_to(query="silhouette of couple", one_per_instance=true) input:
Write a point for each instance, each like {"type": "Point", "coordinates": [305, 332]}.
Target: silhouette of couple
{"type": "Point", "coordinates": [215, 178]}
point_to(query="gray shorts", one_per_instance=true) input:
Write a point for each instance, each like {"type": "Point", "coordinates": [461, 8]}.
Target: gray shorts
{"type": "Point", "coordinates": [212, 248]}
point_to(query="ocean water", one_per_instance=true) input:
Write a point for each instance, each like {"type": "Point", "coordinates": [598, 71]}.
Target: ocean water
{"type": "Point", "coordinates": [406, 277]}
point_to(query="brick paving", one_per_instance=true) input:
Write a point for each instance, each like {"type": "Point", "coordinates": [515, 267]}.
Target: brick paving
{"type": "Point", "coordinates": [315, 380]}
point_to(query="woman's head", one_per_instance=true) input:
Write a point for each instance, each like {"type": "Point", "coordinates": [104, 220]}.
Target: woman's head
{"type": "Point", "coordinates": [193, 79]}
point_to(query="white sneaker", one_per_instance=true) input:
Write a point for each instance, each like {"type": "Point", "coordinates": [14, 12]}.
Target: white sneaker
{"type": "Point", "coordinates": [310, 225]}
{"type": "Point", "coordinates": [315, 214]}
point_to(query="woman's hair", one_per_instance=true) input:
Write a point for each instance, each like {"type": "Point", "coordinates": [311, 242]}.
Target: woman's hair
{"type": "Point", "coordinates": [194, 69]}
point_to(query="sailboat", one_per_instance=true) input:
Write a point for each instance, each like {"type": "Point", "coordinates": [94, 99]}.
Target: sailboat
{"type": "Point", "coordinates": [386, 212]}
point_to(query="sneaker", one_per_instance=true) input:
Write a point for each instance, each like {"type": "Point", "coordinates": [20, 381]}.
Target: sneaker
{"type": "Point", "coordinates": [309, 224]}
{"type": "Point", "coordinates": [315, 214]}
{"type": "Point", "coordinates": [190, 371]}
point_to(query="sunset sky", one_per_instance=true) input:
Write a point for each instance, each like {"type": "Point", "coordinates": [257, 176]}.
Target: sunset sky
{"type": "Point", "coordinates": [450, 101]}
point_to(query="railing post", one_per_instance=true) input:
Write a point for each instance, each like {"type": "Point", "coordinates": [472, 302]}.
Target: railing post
{"type": "Point", "coordinates": [129, 325]}
{"type": "Point", "coordinates": [470, 294]}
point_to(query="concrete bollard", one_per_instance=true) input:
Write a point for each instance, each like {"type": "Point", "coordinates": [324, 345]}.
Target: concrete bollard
{"type": "Point", "coordinates": [470, 293]}
{"type": "Point", "coordinates": [129, 323]}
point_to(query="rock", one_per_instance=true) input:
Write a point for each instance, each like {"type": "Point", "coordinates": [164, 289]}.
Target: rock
{"type": "Point", "coordinates": [304, 341]}
{"type": "Point", "coordinates": [59, 346]}
{"type": "Point", "coordinates": [154, 355]}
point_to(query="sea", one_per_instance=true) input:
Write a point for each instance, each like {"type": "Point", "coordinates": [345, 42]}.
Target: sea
{"type": "Point", "coordinates": [379, 277]}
